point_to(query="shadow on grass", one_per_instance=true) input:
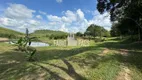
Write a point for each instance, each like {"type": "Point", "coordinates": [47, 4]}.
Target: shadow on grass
{"type": "Point", "coordinates": [61, 54]}
{"type": "Point", "coordinates": [94, 60]}
{"type": "Point", "coordinates": [19, 71]}
{"type": "Point", "coordinates": [134, 57]}
{"type": "Point", "coordinates": [49, 54]}
{"type": "Point", "coordinates": [13, 64]}
{"type": "Point", "coordinates": [70, 70]}
{"type": "Point", "coordinates": [8, 60]}
{"type": "Point", "coordinates": [120, 45]}
{"type": "Point", "coordinates": [53, 74]}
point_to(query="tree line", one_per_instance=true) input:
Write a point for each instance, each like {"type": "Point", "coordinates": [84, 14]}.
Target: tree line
{"type": "Point", "coordinates": [49, 34]}
{"type": "Point", "coordinates": [126, 16]}
{"type": "Point", "coordinates": [94, 31]}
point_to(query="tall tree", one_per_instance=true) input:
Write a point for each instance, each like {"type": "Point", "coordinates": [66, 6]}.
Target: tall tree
{"type": "Point", "coordinates": [125, 12]}
{"type": "Point", "coordinates": [95, 30]}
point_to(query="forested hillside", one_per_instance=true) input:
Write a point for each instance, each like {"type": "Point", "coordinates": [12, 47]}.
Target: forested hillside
{"type": "Point", "coordinates": [49, 34]}
{"type": "Point", "coordinates": [7, 33]}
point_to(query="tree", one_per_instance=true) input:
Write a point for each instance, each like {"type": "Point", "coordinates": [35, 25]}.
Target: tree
{"type": "Point", "coordinates": [90, 30]}
{"type": "Point", "coordinates": [95, 30]}
{"type": "Point", "coordinates": [24, 45]}
{"type": "Point", "coordinates": [128, 13]}
{"type": "Point", "coordinates": [79, 34]}
{"type": "Point", "coordinates": [114, 30]}
{"type": "Point", "coordinates": [105, 33]}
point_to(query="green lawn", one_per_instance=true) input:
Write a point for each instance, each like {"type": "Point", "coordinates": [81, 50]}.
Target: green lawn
{"type": "Point", "coordinates": [71, 63]}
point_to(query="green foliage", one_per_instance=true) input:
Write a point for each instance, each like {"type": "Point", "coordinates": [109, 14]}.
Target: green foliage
{"type": "Point", "coordinates": [49, 34]}
{"type": "Point", "coordinates": [10, 33]}
{"type": "Point", "coordinates": [72, 62]}
{"type": "Point", "coordinates": [114, 30]}
{"type": "Point", "coordinates": [105, 33]}
{"type": "Point", "coordinates": [79, 34]}
{"type": "Point", "coordinates": [24, 45]}
{"type": "Point", "coordinates": [128, 14]}
{"type": "Point", "coordinates": [94, 30]}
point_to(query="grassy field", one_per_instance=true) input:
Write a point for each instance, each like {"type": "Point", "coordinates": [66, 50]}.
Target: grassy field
{"type": "Point", "coordinates": [101, 61]}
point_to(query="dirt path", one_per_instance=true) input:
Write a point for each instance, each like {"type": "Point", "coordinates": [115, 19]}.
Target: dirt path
{"type": "Point", "coordinates": [3, 39]}
{"type": "Point", "coordinates": [104, 52]}
{"type": "Point", "coordinates": [125, 72]}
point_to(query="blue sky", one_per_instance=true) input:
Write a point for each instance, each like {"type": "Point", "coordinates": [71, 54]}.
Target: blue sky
{"type": "Point", "coordinates": [63, 15]}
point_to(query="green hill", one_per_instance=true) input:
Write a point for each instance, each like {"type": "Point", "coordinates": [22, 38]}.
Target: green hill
{"type": "Point", "coordinates": [8, 33]}
{"type": "Point", "coordinates": [49, 34]}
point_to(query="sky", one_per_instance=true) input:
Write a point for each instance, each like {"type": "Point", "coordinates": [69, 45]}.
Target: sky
{"type": "Point", "coordinates": [61, 15]}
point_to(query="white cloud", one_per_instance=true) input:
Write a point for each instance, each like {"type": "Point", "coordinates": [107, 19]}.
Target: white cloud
{"type": "Point", "coordinates": [66, 20]}
{"type": "Point", "coordinates": [33, 22]}
{"type": "Point", "coordinates": [19, 17]}
{"type": "Point", "coordinates": [80, 14]}
{"type": "Point", "coordinates": [95, 13]}
{"type": "Point", "coordinates": [9, 22]}
{"type": "Point", "coordinates": [101, 20]}
{"type": "Point", "coordinates": [71, 21]}
{"type": "Point", "coordinates": [52, 23]}
{"type": "Point", "coordinates": [43, 13]}
{"type": "Point", "coordinates": [59, 1]}
{"type": "Point", "coordinates": [18, 11]}
{"type": "Point", "coordinates": [39, 17]}
{"type": "Point", "coordinates": [19, 25]}
{"type": "Point", "coordinates": [71, 15]}
{"type": "Point", "coordinates": [63, 28]}
{"type": "Point", "coordinates": [53, 18]}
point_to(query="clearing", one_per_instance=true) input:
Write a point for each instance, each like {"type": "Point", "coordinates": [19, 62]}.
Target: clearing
{"type": "Point", "coordinates": [109, 60]}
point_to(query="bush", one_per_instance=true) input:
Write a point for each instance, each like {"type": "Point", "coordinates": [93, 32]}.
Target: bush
{"type": "Point", "coordinates": [99, 39]}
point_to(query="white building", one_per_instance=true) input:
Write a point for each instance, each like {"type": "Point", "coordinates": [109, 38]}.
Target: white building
{"type": "Point", "coordinates": [71, 41]}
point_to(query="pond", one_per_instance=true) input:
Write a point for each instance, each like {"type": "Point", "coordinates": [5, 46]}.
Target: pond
{"type": "Point", "coordinates": [39, 44]}
{"type": "Point", "coordinates": [35, 44]}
